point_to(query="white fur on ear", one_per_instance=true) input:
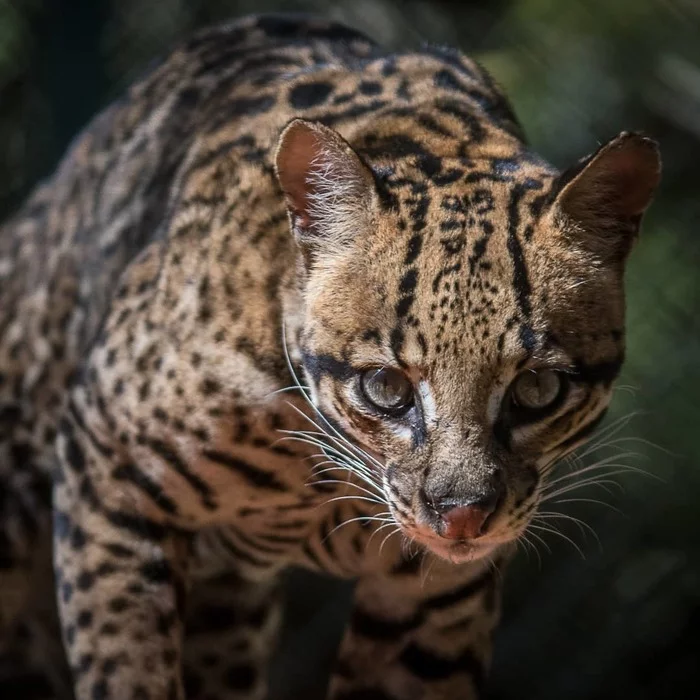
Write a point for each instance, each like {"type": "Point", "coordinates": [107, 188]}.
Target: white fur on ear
{"type": "Point", "coordinates": [327, 187]}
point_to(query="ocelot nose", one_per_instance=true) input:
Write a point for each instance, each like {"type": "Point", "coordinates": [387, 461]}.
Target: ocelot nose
{"type": "Point", "coordinates": [466, 520]}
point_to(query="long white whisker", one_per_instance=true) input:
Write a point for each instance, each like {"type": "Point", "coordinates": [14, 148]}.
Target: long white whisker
{"type": "Point", "coordinates": [349, 451]}
{"type": "Point", "coordinates": [590, 481]}
{"type": "Point", "coordinates": [311, 403]}
{"type": "Point", "coordinates": [291, 435]}
{"type": "Point", "coordinates": [353, 484]}
{"type": "Point", "coordinates": [603, 464]}
{"type": "Point", "coordinates": [365, 518]}
{"type": "Point", "coordinates": [381, 546]}
{"type": "Point", "coordinates": [381, 527]}
{"type": "Point", "coordinates": [424, 576]}
{"type": "Point", "coordinates": [285, 389]}
{"type": "Point", "coordinates": [581, 524]}
{"type": "Point", "coordinates": [308, 435]}
{"type": "Point", "coordinates": [534, 534]}
{"type": "Point", "coordinates": [341, 459]}
{"type": "Point", "coordinates": [588, 500]}
{"type": "Point", "coordinates": [352, 498]}
{"type": "Point", "coordinates": [338, 467]}
{"type": "Point", "coordinates": [560, 534]}
{"type": "Point", "coordinates": [525, 540]}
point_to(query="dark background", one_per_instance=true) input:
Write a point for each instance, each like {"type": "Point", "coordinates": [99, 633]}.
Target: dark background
{"type": "Point", "coordinates": [621, 619]}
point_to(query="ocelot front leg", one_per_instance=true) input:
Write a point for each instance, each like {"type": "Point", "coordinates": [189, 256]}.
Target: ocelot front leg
{"type": "Point", "coordinates": [120, 576]}
{"type": "Point", "coordinates": [409, 640]}
{"type": "Point", "coordinates": [230, 634]}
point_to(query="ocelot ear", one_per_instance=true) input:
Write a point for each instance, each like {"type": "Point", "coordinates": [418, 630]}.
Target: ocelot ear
{"type": "Point", "coordinates": [327, 187]}
{"type": "Point", "coordinates": [606, 194]}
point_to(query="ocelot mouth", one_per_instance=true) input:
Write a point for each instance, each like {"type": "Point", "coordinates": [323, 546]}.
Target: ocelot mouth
{"type": "Point", "coordinates": [461, 552]}
{"type": "Point", "coordinates": [454, 551]}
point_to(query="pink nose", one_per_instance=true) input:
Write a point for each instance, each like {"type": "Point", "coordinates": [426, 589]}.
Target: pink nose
{"type": "Point", "coordinates": [465, 522]}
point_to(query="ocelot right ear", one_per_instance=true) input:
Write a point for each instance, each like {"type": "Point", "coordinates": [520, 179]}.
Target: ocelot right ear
{"type": "Point", "coordinates": [327, 187]}
{"type": "Point", "coordinates": [602, 198]}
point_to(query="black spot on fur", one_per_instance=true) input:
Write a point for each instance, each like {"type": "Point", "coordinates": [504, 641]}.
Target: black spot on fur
{"type": "Point", "coordinates": [373, 335]}
{"type": "Point", "coordinates": [100, 691]}
{"type": "Point", "coordinates": [309, 95]}
{"type": "Point", "coordinates": [370, 87]}
{"type": "Point", "coordinates": [430, 165]}
{"type": "Point", "coordinates": [85, 581]}
{"type": "Point", "coordinates": [209, 386]}
{"type": "Point", "coordinates": [446, 80]}
{"type": "Point", "coordinates": [118, 605]}
{"type": "Point", "coordinates": [84, 619]}
{"type": "Point", "coordinates": [243, 107]}
{"type": "Point", "coordinates": [430, 666]}
{"type": "Point", "coordinates": [157, 572]}
{"type": "Point", "coordinates": [75, 455]}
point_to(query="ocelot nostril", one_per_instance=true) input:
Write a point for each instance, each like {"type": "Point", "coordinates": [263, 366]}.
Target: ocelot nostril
{"type": "Point", "coordinates": [464, 522]}
{"type": "Point", "coordinates": [461, 520]}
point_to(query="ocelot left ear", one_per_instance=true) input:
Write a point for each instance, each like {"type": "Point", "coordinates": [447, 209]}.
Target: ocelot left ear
{"type": "Point", "coordinates": [604, 196]}
{"type": "Point", "coordinates": [327, 187]}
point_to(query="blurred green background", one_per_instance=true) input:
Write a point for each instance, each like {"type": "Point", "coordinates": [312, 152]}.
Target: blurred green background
{"type": "Point", "coordinates": [621, 618]}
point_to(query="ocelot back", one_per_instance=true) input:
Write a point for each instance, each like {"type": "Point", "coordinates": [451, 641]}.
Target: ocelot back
{"type": "Point", "coordinates": [297, 300]}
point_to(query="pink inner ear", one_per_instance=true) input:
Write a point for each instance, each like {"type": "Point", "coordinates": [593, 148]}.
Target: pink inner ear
{"type": "Point", "coordinates": [616, 185]}
{"type": "Point", "coordinates": [300, 149]}
{"type": "Point", "coordinates": [325, 183]}
{"type": "Point", "coordinates": [630, 174]}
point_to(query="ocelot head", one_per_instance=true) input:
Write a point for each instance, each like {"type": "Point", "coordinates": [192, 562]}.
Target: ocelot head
{"type": "Point", "coordinates": [463, 318]}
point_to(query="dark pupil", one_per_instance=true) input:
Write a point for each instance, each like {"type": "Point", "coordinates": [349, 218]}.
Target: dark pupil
{"type": "Point", "coordinates": [389, 388]}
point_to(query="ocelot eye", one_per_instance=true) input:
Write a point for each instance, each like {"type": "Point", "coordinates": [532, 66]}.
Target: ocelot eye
{"type": "Point", "coordinates": [537, 389]}
{"type": "Point", "coordinates": [387, 389]}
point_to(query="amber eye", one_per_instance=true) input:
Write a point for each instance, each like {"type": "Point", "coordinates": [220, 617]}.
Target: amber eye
{"type": "Point", "coordinates": [536, 389]}
{"type": "Point", "coordinates": [387, 389]}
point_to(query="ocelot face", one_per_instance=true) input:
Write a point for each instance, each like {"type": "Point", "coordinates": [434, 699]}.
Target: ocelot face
{"type": "Point", "coordinates": [464, 336]}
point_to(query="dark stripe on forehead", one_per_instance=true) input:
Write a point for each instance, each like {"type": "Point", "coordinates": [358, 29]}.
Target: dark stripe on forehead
{"type": "Point", "coordinates": [521, 282]}
{"type": "Point", "coordinates": [527, 337]}
{"type": "Point", "coordinates": [396, 341]}
{"type": "Point", "coordinates": [407, 288]}
{"type": "Point", "coordinates": [415, 243]}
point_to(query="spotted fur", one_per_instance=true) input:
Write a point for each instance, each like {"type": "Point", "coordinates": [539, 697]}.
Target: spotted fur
{"type": "Point", "coordinates": [186, 307]}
